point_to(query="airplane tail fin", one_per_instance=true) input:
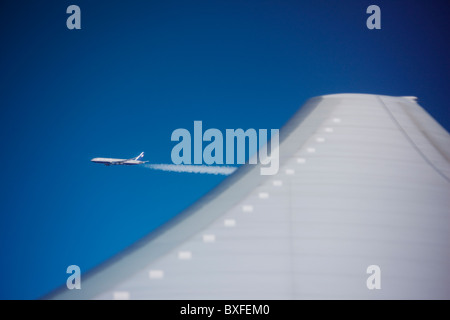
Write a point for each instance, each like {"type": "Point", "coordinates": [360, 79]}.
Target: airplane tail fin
{"type": "Point", "coordinates": [139, 157]}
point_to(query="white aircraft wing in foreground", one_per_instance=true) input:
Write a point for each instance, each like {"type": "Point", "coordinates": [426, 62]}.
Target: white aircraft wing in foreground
{"type": "Point", "coordinates": [112, 161]}
{"type": "Point", "coordinates": [360, 209]}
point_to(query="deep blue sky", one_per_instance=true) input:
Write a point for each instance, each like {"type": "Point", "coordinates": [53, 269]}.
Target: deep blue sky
{"type": "Point", "coordinates": [136, 71]}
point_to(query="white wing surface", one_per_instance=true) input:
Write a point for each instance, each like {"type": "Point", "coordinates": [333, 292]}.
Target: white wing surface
{"type": "Point", "coordinates": [364, 180]}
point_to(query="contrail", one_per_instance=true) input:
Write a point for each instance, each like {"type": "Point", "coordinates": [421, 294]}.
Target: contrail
{"type": "Point", "coordinates": [192, 168]}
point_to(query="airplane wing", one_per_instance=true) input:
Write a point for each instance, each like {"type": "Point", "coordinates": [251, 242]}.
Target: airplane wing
{"type": "Point", "coordinates": [364, 180]}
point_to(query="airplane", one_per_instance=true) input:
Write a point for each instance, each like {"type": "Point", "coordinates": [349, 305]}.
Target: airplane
{"type": "Point", "coordinates": [112, 161]}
